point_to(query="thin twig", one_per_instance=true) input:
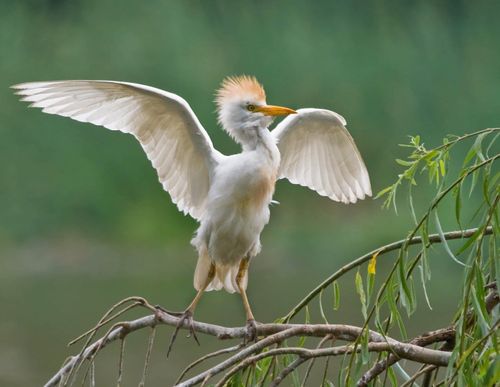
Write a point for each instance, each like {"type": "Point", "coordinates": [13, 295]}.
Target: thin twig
{"type": "Point", "coordinates": [209, 356]}
{"type": "Point", "coordinates": [93, 355]}
{"type": "Point", "coordinates": [148, 356]}
{"type": "Point", "coordinates": [104, 321]}
{"type": "Point", "coordinates": [120, 363]}
{"type": "Point", "coordinates": [424, 370]}
{"type": "Point", "coordinates": [92, 332]}
{"type": "Point", "coordinates": [92, 374]}
{"type": "Point", "coordinates": [286, 371]}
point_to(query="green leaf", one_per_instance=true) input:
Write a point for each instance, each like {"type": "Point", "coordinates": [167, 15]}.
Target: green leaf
{"type": "Point", "coordinates": [365, 354]}
{"type": "Point", "coordinates": [470, 240]}
{"type": "Point", "coordinates": [391, 302]}
{"type": "Point", "coordinates": [392, 377]}
{"type": "Point", "coordinates": [322, 312]}
{"type": "Point", "coordinates": [401, 372]}
{"type": "Point", "coordinates": [308, 316]}
{"type": "Point", "coordinates": [406, 296]}
{"type": "Point", "coordinates": [425, 264]}
{"type": "Point", "coordinates": [478, 146]}
{"type": "Point", "coordinates": [444, 241]}
{"type": "Point", "coordinates": [470, 155]}
{"type": "Point", "coordinates": [384, 191]}
{"type": "Point", "coordinates": [369, 287]}
{"type": "Point", "coordinates": [424, 232]}
{"type": "Point", "coordinates": [405, 163]}
{"type": "Point", "coordinates": [491, 143]}
{"type": "Point", "coordinates": [410, 200]}
{"type": "Point", "coordinates": [458, 204]}
{"type": "Point", "coordinates": [415, 140]}
{"type": "Point", "coordinates": [474, 176]}
{"type": "Point", "coordinates": [442, 167]}
{"type": "Point", "coordinates": [302, 339]}
{"type": "Point", "coordinates": [424, 287]}
{"type": "Point", "coordinates": [480, 310]}
{"type": "Point", "coordinates": [486, 184]}
{"type": "Point", "coordinates": [359, 289]}
{"type": "Point", "coordinates": [336, 295]}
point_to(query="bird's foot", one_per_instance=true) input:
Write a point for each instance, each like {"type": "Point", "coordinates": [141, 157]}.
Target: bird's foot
{"type": "Point", "coordinates": [185, 319]}
{"type": "Point", "coordinates": [251, 333]}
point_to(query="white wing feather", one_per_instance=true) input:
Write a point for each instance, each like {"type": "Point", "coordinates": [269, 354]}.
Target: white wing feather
{"type": "Point", "coordinates": [318, 152]}
{"type": "Point", "coordinates": [171, 135]}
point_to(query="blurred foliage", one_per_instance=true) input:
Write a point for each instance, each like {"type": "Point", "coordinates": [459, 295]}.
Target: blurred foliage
{"type": "Point", "coordinates": [82, 216]}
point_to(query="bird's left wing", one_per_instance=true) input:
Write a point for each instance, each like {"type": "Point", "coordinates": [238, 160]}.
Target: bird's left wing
{"type": "Point", "coordinates": [171, 135]}
{"type": "Point", "coordinates": [318, 152]}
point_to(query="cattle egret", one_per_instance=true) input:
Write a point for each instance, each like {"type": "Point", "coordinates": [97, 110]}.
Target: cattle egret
{"type": "Point", "coordinates": [228, 195]}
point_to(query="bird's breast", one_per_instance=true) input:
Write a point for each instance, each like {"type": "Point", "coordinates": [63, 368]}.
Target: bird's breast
{"type": "Point", "coordinates": [258, 190]}
{"type": "Point", "coordinates": [245, 184]}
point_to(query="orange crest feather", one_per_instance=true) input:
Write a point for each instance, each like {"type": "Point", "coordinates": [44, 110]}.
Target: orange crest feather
{"type": "Point", "coordinates": [242, 86]}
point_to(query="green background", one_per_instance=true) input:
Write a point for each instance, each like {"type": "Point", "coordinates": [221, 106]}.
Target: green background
{"type": "Point", "coordinates": [84, 221]}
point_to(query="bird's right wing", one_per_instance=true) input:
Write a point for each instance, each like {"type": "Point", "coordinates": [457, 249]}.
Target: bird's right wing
{"type": "Point", "coordinates": [171, 135]}
{"type": "Point", "coordinates": [318, 152]}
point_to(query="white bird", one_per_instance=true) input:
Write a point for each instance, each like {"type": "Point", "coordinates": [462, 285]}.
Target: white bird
{"type": "Point", "coordinates": [228, 195]}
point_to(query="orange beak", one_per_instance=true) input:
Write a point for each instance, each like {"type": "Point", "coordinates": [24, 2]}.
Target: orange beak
{"type": "Point", "coordinates": [270, 110]}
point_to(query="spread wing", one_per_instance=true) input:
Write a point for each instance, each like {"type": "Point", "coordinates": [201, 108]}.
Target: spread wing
{"type": "Point", "coordinates": [171, 135]}
{"type": "Point", "coordinates": [318, 152]}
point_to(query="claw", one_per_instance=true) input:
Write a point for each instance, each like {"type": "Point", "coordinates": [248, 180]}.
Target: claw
{"type": "Point", "coordinates": [185, 317]}
{"type": "Point", "coordinates": [251, 334]}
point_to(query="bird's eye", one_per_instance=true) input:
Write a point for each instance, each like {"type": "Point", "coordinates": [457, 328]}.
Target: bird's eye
{"type": "Point", "coordinates": [251, 108]}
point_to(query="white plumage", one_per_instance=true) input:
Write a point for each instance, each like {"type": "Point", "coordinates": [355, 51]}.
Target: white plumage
{"type": "Point", "coordinates": [228, 195]}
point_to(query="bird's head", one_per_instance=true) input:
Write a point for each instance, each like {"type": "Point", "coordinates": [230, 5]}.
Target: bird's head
{"type": "Point", "coordinates": [242, 108]}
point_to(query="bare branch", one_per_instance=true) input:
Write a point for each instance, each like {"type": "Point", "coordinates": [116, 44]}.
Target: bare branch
{"type": "Point", "coordinates": [272, 333]}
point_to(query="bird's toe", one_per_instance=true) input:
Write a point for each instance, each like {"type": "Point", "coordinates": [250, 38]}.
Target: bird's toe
{"type": "Point", "coordinates": [185, 319]}
{"type": "Point", "coordinates": [251, 331]}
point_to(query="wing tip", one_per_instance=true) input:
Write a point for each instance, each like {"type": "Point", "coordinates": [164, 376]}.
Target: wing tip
{"type": "Point", "coordinates": [27, 85]}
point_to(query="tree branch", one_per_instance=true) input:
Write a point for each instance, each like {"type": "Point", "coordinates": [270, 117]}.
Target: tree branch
{"type": "Point", "coordinates": [433, 238]}
{"type": "Point", "coordinates": [272, 333]}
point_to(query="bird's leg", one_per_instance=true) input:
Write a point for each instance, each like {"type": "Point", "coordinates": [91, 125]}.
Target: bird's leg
{"type": "Point", "coordinates": [187, 315]}
{"type": "Point", "coordinates": [251, 326]}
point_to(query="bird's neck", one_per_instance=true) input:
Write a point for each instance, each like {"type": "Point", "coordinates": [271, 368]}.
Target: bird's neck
{"type": "Point", "coordinates": [263, 142]}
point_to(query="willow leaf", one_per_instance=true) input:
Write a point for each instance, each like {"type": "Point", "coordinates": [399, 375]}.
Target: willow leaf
{"type": "Point", "coordinates": [444, 241]}
{"type": "Point", "coordinates": [336, 295]}
{"type": "Point", "coordinates": [361, 292]}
